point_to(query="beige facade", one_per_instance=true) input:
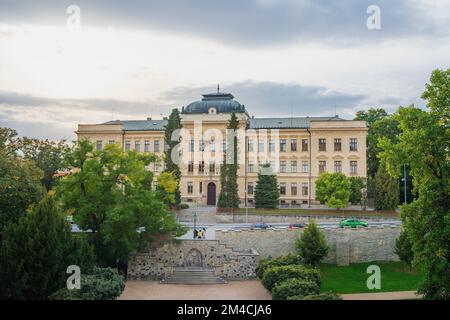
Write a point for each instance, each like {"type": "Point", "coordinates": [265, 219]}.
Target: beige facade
{"type": "Point", "coordinates": [299, 149]}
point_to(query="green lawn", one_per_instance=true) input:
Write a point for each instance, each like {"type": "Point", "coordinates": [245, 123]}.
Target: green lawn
{"type": "Point", "coordinates": [308, 212]}
{"type": "Point", "coordinates": [395, 276]}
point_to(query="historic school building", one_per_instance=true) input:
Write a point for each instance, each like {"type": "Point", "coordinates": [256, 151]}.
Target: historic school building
{"type": "Point", "coordinates": [299, 149]}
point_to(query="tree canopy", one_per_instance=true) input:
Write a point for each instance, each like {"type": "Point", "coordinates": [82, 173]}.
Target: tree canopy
{"type": "Point", "coordinates": [333, 189]}
{"type": "Point", "coordinates": [424, 147]}
{"type": "Point", "coordinates": [109, 193]}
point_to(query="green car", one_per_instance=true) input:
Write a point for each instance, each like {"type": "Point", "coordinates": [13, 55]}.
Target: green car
{"type": "Point", "coordinates": [353, 223]}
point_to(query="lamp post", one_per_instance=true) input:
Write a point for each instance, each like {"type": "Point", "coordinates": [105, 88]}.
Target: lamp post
{"type": "Point", "coordinates": [195, 221]}
{"type": "Point", "coordinates": [404, 182]}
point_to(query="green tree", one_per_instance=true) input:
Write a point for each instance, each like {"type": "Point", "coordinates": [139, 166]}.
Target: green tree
{"type": "Point", "coordinates": [172, 138]}
{"type": "Point", "coordinates": [36, 252]}
{"type": "Point", "coordinates": [403, 248]}
{"type": "Point", "coordinates": [357, 189]}
{"type": "Point", "coordinates": [110, 193]}
{"type": "Point", "coordinates": [311, 245]}
{"type": "Point", "coordinates": [387, 190]}
{"type": "Point", "coordinates": [267, 193]}
{"type": "Point", "coordinates": [371, 116]}
{"type": "Point", "coordinates": [167, 187]}
{"type": "Point", "coordinates": [333, 189]}
{"type": "Point", "coordinates": [228, 197]}
{"type": "Point", "coordinates": [20, 187]}
{"type": "Point", "coordinates": [48, 156]}
{"type": "Point", "coordinates": [424, 147]}
{"type": "Point", "coordinates": [9, 142]}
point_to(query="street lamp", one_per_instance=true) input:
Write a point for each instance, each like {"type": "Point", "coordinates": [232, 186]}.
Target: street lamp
{"type": "Point", "coordinates": [195, 221]}
{"type": "Point", "coordinates": [404, 183]}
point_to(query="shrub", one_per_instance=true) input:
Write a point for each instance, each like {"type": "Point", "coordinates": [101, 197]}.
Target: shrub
{"type": "Point", "coordinates": [184, 206]}
{"type": "Point", "coordinates": [403, 248]}
{"type": "Point", "coordinates": [290, 259]}
{"type": "Point", "coordinates": [312, 246]}
{"type": "Point", "coordinates": [101, 284]}
{"type": "Point", "coordinates": [294, 287]}
{"type": "Point", "coordinates": [322, 296]}
{"type": "Point", "coordinates": [274, 275]}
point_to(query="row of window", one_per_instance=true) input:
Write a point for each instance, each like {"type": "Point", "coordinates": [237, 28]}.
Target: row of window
{"type": "Point", "coordinates": [250, 188]}
{"type": "Point", "coordinates": [305, 166]}
{"type": "Point", "coordinates": [283, 186]}
{"type": "Point", "coordinates": [137, 145]}
{"type": "Point", "coordinates": [353, 145]}
{"type": "Point", "coordinates": [201, 167]}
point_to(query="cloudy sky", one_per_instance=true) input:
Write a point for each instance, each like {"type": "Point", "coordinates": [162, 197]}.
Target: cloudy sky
{"type": "Point", "coordinates": [134, 59]}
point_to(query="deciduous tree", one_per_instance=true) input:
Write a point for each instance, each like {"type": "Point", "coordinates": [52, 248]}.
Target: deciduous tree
{"type": "Point", "coordinates": [424, 147]}
{"type": "Point", "coordinates": [333, 189]}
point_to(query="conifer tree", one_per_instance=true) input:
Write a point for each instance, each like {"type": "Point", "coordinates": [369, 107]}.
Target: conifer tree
{"type": "Point", "coordinates": [387, 190]}
{"type": "Point", "coordinates": [267, 194]}
{"type": "Point", "coordinates": [228, 197]}
{"type": "Point", "coordinates": [36, 252]}
{"type": "Point", "coordinates": [174, 123]}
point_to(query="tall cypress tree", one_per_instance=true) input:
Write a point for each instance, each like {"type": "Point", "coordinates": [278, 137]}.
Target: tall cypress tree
{"type": "Point", "coordinates": [228, 197]}
{"type": "Point", "coordinates": [267, 194]}
{"type": "Point", "coordinates": [173, 124]}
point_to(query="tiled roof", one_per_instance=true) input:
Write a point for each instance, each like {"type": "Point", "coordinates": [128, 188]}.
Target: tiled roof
{"type": "Point", "coordinates": [138, 125]}
{"type": "Point", "coordinates": [286, 123]}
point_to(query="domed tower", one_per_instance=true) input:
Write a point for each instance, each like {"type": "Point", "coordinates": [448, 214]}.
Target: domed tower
{"type": "Point", "coordinates": [214, 103]}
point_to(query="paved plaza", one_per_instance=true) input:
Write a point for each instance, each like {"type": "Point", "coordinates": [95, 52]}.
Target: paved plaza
{"type": "Point", "coordinates": [233, 290]}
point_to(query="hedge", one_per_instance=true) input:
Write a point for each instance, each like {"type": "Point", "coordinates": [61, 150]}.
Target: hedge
{"type": "Point", "coordinates": [100, 284]}
{"type": "Point", "coordinates": [321, 296]}
{"type": "Point", "coordinates": [274, 275]}
{"type": "Point", "coordinates": [294, 287]}
{"type": "Point", "coordinates": [290, 259]}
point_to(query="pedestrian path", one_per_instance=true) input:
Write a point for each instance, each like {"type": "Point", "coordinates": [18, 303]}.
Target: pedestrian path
{"type": "Point", "coordinates": [398, 295]}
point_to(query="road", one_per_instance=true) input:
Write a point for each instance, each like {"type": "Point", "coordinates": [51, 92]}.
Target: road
{"type": "Point", "coordinates": [211, 228]}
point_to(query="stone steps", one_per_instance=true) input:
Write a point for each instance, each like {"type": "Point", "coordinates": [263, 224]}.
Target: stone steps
{"type": "Point", "coordinates": [193, 275]}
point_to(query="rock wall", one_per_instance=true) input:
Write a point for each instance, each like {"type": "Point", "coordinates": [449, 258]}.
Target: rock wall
{"type": "Point", "coordinates": [241, 218]}
{"type": "Point", "coordinates": [159, 261]}
{"type": "Point", "coordinates": [235, 254]}
{"type": "Point", "coordinates": [346, 245]}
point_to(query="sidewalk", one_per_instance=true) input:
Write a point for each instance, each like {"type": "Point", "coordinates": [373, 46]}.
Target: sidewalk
{"type": "Point", "coordinates": [398, 295]}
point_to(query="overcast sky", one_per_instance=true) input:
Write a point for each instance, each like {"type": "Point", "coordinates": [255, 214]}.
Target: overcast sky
{"type": "Point", "coordinates": [134, 59]}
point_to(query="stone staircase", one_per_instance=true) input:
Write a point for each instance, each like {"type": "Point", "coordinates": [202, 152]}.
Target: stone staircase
{"type": "Point", "coordinates": [193, 275]}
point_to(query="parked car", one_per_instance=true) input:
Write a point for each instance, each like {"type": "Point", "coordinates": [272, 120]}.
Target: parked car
{"type": "Point", "coordinates": [296, 225]}
{"type": "Point", "coordinates": [260, 225]}
{"type": "Point", "coordinates": [353, 223]}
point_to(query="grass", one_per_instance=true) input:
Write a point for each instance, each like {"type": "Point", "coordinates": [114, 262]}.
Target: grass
{"type": "Point", "coordinates": [312, 212]}
{"type": "Point", "coordinates": [395, 276]}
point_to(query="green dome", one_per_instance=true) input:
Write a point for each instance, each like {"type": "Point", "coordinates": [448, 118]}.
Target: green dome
{"type": "Point", "coordinates": [221, 102]}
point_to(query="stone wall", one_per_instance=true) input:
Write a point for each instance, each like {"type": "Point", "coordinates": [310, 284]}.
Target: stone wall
{"type": "Point", "coordinates": [346, 245]}
{"type": "Point", "coordinates": [241, 218]}
{"type": "Point", "coordinates": [158, 262]}
{"type": "Point", "coordinates": [235, 254]}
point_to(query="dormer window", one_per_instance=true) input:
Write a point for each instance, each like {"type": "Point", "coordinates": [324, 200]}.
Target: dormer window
{"type": "Point", "coordinates": [212, 110]}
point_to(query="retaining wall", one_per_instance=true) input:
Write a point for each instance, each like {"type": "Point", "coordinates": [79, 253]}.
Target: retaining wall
{"type": "Point", "coordinates": [346, 245]}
